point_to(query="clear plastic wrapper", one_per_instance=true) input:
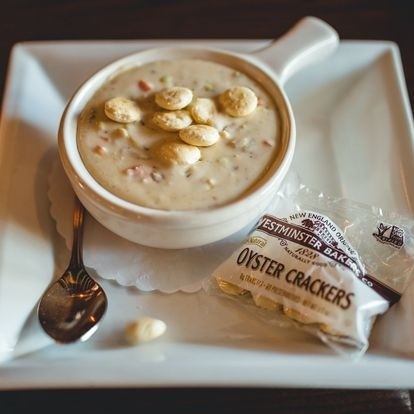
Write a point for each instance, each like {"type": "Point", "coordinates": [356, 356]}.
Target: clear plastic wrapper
{"type": "Point", "coordinates": [327, 265]}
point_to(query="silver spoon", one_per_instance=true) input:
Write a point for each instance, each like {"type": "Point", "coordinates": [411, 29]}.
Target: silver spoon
{"type": "Point", "coordinates": [73, 305]}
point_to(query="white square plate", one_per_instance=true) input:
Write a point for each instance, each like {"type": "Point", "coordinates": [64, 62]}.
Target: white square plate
{"type": "Point", "coordinates": [355, 139]}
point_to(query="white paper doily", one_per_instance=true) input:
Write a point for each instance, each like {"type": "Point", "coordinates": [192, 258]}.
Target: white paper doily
{"type": "Point", "coordinates": [130, 264]}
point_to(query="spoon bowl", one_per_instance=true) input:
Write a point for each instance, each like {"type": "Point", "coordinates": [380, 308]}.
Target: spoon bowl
{"type": "Point", "coordinates": [72, 307]}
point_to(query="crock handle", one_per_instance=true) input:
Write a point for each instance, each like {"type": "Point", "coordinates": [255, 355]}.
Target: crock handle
{"type": "Point", "coordinates": [309, 40]}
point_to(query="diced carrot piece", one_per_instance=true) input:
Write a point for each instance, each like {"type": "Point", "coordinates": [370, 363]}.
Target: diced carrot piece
{"type": "Point", "coordinates": [144, 85]}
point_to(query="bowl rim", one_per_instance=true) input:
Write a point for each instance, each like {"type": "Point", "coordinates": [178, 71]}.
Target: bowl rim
{"type": "Point", "coordinates": [82, 180]}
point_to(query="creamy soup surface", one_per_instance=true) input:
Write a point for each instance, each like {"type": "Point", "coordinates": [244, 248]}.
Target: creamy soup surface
{"type": "Point", "coordinates": [122, 157]}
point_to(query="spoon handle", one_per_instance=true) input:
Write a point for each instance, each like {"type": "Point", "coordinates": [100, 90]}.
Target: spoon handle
{"type": "Point", "coordinates": [78, 215]}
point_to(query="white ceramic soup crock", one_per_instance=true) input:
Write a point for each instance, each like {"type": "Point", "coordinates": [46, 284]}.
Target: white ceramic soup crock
{"type": "Point", "coordinates": [309, 40]}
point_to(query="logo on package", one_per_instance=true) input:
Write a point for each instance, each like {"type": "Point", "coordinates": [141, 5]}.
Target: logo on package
{"type": "Point", "coordinates": [390, 234]}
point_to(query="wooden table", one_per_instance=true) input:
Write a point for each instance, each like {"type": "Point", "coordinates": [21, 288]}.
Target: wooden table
{"type": "Point", "coordinates": [105, 19]}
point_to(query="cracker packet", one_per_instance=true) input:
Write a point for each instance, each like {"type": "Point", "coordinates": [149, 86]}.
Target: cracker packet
{"type": "Point", "coordinates": [326, 265]}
